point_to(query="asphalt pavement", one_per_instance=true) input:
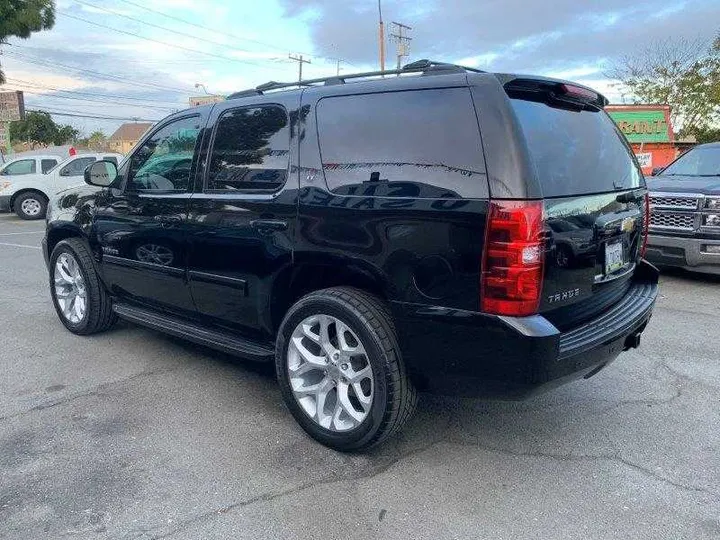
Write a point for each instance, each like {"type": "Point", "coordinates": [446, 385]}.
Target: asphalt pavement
{"type": "Point", "coordinates": [134, 435]}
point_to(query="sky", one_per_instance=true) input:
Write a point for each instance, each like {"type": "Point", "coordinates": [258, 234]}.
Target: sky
{"type": "Point", "coordinates": [140, 59]}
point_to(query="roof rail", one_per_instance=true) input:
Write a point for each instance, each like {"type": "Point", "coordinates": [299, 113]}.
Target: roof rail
{"type": "Point", "coordinates": [426, 67]}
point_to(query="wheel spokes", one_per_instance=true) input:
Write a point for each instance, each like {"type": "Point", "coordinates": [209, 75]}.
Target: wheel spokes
{"type": "Point", "coordinates": [329, 372]}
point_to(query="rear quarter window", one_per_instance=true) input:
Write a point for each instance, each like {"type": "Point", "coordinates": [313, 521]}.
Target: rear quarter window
{"type": "Point", "coordinates": [576, 152]}
{"type": "Point", "coordinates": [420, 144]}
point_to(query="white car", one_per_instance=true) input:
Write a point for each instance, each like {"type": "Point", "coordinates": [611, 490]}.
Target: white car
{"type": "Point", "coordinates": [21, 166]}
{"type": "Point", "coordinates": [28, 194]}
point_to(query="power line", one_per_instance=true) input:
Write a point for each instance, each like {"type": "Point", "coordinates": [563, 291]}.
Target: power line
{"type": "Point", "coordinates": [180, 47]}
{"type": "Point", "coordinates": [78, 114]}
{"type": "Point", "coordinates": [164, 28]}
{"type": "Point", "coordinates": [22, 57]}
{"type": "Point", "coordinates": [104, 98]}
{"type": "Point", "coordinates": [100, 102]}
{"type": "Point", "coordinates": [234, 36]}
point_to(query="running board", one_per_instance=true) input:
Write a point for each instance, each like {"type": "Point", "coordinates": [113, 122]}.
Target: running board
{"type": "Point", "coordinates": [217, 340]}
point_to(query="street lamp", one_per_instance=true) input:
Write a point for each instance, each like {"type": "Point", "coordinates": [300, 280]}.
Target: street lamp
{"type": "Point", "coordinates": [201, 85]}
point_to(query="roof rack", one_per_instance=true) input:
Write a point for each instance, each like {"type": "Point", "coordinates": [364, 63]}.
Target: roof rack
{"type": "Point", "coordinates": [426, 67]}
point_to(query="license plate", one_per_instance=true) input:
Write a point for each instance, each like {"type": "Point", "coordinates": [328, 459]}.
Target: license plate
{"type": "Point", "coordinates": [614, 259]}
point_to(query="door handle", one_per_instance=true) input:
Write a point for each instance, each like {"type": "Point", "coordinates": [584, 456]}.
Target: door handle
{"type": "Point", "coordinates": [266, 226]}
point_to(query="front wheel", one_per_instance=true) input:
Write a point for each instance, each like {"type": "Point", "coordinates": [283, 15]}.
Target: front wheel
{"type": "Point", "coordinates": [30, 206]}
{"type": "Point", "coordinates": [340, 369]}
{"type": "Point", "coordinates": [80, 299]}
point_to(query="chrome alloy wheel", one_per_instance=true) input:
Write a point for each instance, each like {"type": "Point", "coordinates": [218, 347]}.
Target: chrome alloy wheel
{"type": "Point", "coordinates": [31, 207]}
{"type": "Point", "coordinates": [70, 290]}
{"type": "Point", "coordinates": [330, 373]}
{"type": "Point", "coordinates": [154, 253]}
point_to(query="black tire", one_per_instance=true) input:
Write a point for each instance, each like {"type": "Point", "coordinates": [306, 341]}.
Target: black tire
{"type": "Point", "coordinates": [395, 396]}
{"type": "Point", "coordinates": [41, 205]}
{"type": "Point", "coordinates": [99, 315]}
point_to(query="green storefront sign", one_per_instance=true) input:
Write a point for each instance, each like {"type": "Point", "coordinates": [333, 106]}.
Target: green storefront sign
{"type": "Point", "coordinates": [642, 126]}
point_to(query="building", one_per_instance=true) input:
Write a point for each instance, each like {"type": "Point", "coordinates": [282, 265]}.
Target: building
{"type": "Point", "coordinates": [126, 136]}
{"type": "Point", "coordinates": [649, 132]}
{"type": "Point", "coordinates": [197, 101]}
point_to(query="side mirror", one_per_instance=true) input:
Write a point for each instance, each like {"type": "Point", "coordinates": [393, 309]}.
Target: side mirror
{"type": "Point", "coordinates": [101, 173]}
{"type": "Point", "coordinates": [656, 171]}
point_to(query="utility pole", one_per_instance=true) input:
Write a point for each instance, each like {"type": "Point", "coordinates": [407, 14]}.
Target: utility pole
{"type": "Point", "coordinates": [381, 38]}
{"type": "Point", "coordinates": [300, 60]}
{"type": "Point", "coordinates": [338, 67]}
{"type": "Point", "coordinates": [402, 41]}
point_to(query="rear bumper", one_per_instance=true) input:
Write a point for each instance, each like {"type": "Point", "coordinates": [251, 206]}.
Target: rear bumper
{"type": "Point", "coordinates": [5, 203]}
{"type": "Point", "coordinates": [688, 253]}
{"type": "Point", "coordinates": [477, 355]}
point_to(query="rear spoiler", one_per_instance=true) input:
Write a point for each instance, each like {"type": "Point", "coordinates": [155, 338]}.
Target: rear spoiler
{"type": "Point", "coordinates": [546, 89]}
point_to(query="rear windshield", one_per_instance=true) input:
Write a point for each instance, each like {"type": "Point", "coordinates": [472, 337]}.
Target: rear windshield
{"type": "Point", "coordinates": [576, 152]}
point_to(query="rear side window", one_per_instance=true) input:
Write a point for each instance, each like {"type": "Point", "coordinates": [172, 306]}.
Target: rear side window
{"type": "Point", "coordinates": [47, 164]}
{"type": "Point", "coordinates": [422, 144]}
{"type": "Point", "coordinates": [576, 152]}
{"type": "Point", "coordinates": [251, 150]}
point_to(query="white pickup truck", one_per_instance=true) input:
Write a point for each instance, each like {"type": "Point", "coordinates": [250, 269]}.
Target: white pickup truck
{"type": "Point", "coordinates": [27, 194]}
{"type": "Point", "coordinates": [29, 165]}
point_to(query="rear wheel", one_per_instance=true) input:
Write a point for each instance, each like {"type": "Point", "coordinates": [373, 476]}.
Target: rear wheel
{"type": "Point", "coordinates": [340, 369]}
{"type": "Point", "coordinates": [80, 299]}
{"type": "Point", "coordinates": [30, 206]}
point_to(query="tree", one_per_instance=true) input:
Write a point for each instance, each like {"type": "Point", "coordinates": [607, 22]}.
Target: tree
{"type": "Point", "coordinates": [39, 127]}
{"type": "Point", "coordinates": [682, 73]}
{"type": "Point", "coordinates": [20, 18]}
{"type": "Point", "coordinates": [97, 140]}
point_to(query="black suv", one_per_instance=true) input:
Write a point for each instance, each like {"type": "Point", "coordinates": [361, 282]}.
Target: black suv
{"type": "Point", "coordinates": [438, 229]}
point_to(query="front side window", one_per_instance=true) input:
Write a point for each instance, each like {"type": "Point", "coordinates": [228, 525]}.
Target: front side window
{"type": "Point", "coordinates": [47, 164]}
{"type": "Point", "coordinates": [77, 166]}
{"type": "Point", "coordinates": [24, 166]}
{"type": "Point", "coordinates": [163, 162]}
{"type": "Point", "coordinates": [251, 150]}
{"type": "Point", "coordinates": [701, 161]}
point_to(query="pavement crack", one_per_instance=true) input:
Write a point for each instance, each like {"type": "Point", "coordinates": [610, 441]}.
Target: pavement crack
{"type": "Point", "coordinates": [589, 457]}
{"type": "Point", "coordinates": [271, 496]}
{"type": "Point", "coordinates": [89, 392]}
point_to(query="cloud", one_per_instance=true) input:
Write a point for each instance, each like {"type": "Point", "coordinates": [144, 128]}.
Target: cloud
{"type": "Point", "coordinates": [506, 34]}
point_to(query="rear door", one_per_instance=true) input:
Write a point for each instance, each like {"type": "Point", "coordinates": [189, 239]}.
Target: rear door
{"type": "Point", "coordinates": [243, 213]}
{"type": "Point", "coordinates": [594, 202]}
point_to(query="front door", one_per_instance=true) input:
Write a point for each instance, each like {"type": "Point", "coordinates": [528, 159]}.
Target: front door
{"type": "Point", "coordinates": [243, 215]}
{"type": "Point", "coordinates": [142, 228]}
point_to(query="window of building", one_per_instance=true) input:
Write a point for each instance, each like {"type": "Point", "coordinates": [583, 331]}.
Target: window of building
{"type": "Point", "coordinates": [422, 143]}
{"type": "Point", "coordinates": [163, 162]}
{"type": "Point", "coordinates": [251, 150]}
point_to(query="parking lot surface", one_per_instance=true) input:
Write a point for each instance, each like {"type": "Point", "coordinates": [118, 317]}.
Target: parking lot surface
{"type": "Point", "coordinates": [134, 435]}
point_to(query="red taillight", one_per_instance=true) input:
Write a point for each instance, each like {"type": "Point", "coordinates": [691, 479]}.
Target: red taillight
{"type": "Point", "coordinates": [513, 258]}
{"type": "Point", "coordinates": [579, 91]}
{"type": "Point", "coordinates": [646, 226]}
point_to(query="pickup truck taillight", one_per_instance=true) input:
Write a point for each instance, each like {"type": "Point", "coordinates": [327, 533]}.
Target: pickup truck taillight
{"type": "Point", "coordinates": [646, 226]}
{"type": "Point", "coordinates": [513, 258]}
